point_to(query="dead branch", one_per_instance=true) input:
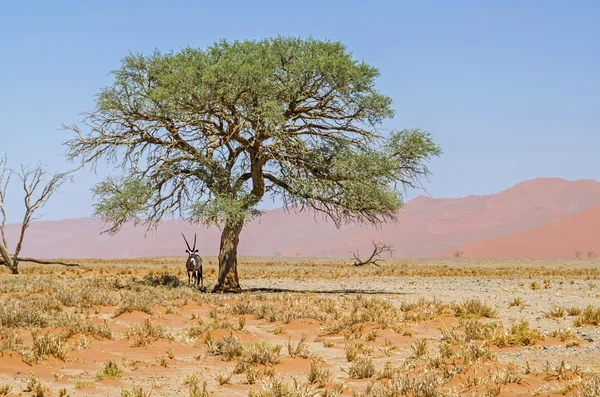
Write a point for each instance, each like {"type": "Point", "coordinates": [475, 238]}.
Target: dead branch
{"type": "Point", "coordinates": [43, 262]}
{"type": "Point", "coordinates": [38, 186]}
{"type": "Point", "coordinates": [378, 249]}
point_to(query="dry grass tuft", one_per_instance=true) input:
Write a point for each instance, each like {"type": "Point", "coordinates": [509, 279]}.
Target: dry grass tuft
{"type": "Point", "coordinates": [361, 368]}
{"type": "Point", "coordinates": [473, 308]}
{"type": "Point", "coordinates": [145, 334]}
{"type": "Point", "coordinates": [111, 370]}
{"type": "Point", "coordinates": [316, 374]}
{"type": "Point", "coordinates": [590, 315]}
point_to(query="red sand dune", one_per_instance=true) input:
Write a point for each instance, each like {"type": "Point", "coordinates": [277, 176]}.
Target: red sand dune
{"type": "Point", "coordinates": [561, 238]}
{"type": "Point", "coordinates": [426, 227]}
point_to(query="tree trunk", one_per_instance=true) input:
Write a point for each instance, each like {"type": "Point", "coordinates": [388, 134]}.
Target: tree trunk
{"type": "Point", "coordinates": [228, 280]}
{"type": "Point", "coordinates": [8, 262]}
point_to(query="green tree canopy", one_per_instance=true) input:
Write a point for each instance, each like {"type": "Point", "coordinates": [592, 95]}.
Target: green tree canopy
{"type": "Point", "coordinates": [205, 134]}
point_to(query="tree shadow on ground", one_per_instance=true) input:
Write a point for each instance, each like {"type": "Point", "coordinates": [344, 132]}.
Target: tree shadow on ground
{"type": "Point", "coordinates": [330, 291]}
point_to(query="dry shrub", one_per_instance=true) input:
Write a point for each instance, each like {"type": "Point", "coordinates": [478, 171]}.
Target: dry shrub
{"type": "Point", "coordinates": [473, 308]}
{"type": "Point", "coordinates": [428, 384]}
{"type": "Point", "coordinates": [276, 388]}
{"type": "Point", "coordinates": [228, 348]}
{"type": "Point", "coordinates": [260, 353]}
{"type": "Point", "coordinates": [590, 387]}
{"type": "Point", "coordinates": [475, 352]}
{"type": "Point", "coordinates": [353, 350]}
{"type": "Point", "coordinates": [419, 348]}
{"type": "Point", "coordinates": [201, 327]}
{"type": "Point", "coordinates": [49, 345]}
{"type": "Point", "coordinates": [135, 391]}
{"type": "Point", "coordinates": [389, 371]}
{"type": "Point", "coordinates": [590, 315]}
{"type": "Point", "coordinates": [318, 375]}
{"type": "Point", "coordinates": [146, 333]}
{"type": "Point", "coordinates": [162, 280]}
{"type": "Point", "coordinates": [563, 334]}
{"type": "Point", "coordinates": [300, 350]}
{"type": "Point", "coordinates": [555, 312]}
{"type": "Point", "coordinates": [424, 309]}
{"type": "Point", "coordinates": [110, 370]}
{"type": "Point", "coordinates": [34, 386]}
{"type": "Point", "coordinates": [141, 301]}
{"type": "Point", "coordinates": [19, 314]}
{"type": "Point", "coordinates": [520, 334]}
{"type": "Point", "coordinates": [516, 302]}
{"type": "Point", "coordinates": [361, 368]}
{"type": "Point", "coordinates": [573, 311]}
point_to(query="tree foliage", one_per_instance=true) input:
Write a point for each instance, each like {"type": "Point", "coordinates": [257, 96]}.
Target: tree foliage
{"type": "Point", "coordinates": [206, 134]}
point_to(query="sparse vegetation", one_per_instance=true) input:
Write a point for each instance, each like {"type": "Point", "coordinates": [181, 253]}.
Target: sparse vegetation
{"type": "Point", "coordinates": [111, 370]}
{"type": "Point", "coordinates": [386, 340]}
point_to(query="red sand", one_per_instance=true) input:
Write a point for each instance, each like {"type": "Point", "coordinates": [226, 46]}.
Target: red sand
{"type": "Point", "coordinates": [561, 238]}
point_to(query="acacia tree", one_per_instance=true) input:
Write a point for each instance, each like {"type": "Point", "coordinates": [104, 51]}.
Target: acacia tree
{"type": "Point", "coordinates": [38, 186]}
{"type": "Point", "coordinates": [205, 134]}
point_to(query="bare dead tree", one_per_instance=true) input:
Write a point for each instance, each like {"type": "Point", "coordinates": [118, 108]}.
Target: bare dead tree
{"type": "Point", "coordinates": [378, 249]}
{"type": "Point", "coordinates": [38, 186]}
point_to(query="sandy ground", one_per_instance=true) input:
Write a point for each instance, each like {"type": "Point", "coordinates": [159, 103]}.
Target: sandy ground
{"type": "Point", "coordinates": [179, 361]}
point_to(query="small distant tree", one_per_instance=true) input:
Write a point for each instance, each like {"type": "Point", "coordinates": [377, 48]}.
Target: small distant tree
{"type": "Point", "coordinates": [578, 254]}
{"type": "Point", "coordinates": [458, 254]}
{"type": "Point", "coordinates": [592, 255]}
{"type": "Point", "coordinates": [205, 134]}
{"type": "Point", "coordinates": [38, 186]}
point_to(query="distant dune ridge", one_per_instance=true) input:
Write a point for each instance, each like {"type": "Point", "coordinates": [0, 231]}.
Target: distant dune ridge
{"type": "Point", "coordinates": [572, 236]}
{"type": "Point", "coordinates": [540, 218]}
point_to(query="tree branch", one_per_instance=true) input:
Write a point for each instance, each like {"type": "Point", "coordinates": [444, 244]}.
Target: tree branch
{"type": "Point", "coordinates": [43, 262]}
{"type": "Point", "coordinates": [378, 249]}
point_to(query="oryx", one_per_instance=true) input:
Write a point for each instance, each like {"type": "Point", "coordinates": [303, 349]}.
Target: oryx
{"type": "Point", "coordinates": [193, 264]}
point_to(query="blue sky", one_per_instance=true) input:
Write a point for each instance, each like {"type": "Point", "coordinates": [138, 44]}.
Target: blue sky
{"type": "Point", "coordinates": [511, 90]}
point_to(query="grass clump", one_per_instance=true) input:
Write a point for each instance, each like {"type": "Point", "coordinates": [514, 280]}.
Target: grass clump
{"type": "Point", "coordinates": [49, 345]}
{"type": "Point", "coordinates": [475, 352]}
{"type": "Point", "coordinates": [162, 280]}
{"type": "Point", "coordinates": [590, 387]}
{"type": "Point", "coordinates": [521, 334]}
{"type": "Point", "coordinates": [34, 386]}
{"type": "Point", "coordinates": [516, 302]}
{"type": "Point", "coordinates": [473, 308]}
{"type": "Point", "coordinates": [419, 348]}
{"type": "Point", "coordinates": [131, 302]}
{"type": "Point", "coordinates": [573, 311]}
{"type": "Point", "coordinates": [111, 370]}
{"type": "Point", "coordinates": [229, 348]}
{"type": "Point", "coordinates": [361, 368]}
{"type": "Point", "coordinates": [318, 375]}
{"type": "Point", "coordinates": [300, 350]}
{"type": "Point", "coordinates": [353, 350]}
{"type": "Point", "coordinates": [555, 312]}
{"type": "Point", "coordinates": [135, 391]}
{"type": "Point", "coordinates": [590, 315]}
{"type": "Point", "coordinates": [145, 334]}
{"type": "Point", "coordinates": [260, 353]}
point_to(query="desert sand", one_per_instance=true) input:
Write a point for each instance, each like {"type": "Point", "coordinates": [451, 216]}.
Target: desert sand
{"type": "Point", "coordinates": [304, 327]}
